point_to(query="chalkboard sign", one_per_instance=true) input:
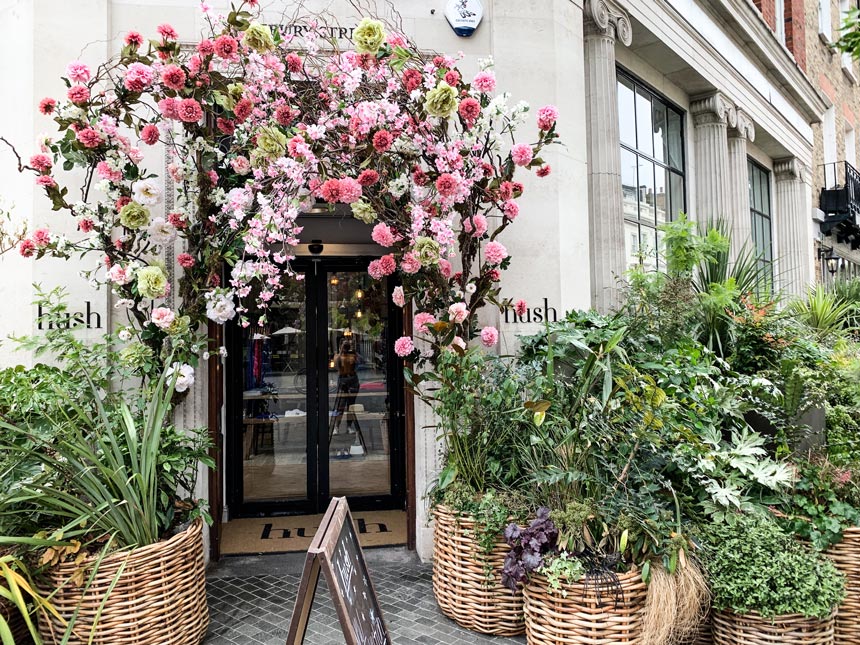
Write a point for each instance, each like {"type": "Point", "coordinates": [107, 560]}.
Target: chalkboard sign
{"type": "Point", "coordinates": [335, 551]}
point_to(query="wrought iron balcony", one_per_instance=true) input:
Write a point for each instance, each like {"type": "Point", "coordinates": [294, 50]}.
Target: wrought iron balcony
{"type": "Point", "coordinates": [840, 202]}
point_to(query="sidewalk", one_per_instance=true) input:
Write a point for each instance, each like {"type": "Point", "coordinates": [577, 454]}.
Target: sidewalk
{"type": "Point", "coordinates": [251, 600]}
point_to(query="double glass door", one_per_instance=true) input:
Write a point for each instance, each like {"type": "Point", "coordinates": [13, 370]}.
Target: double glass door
{"type": "Point", "coordinates": [316, 403]}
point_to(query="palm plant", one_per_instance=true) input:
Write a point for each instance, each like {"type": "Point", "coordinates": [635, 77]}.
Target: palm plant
{"type": "Point", "coordinates": [823, 311]}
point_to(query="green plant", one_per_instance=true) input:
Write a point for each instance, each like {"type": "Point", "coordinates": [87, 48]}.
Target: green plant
{"type": "Point", "coordinates": [562, 569]}
{"type": "Point", "coordinates": [753, 566]}
{"type": "Point", "coordinates": [823, 311]}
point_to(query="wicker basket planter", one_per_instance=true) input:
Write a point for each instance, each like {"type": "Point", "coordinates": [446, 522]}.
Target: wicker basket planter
{"type": "Point", "coordinates": [20, 633]}
{"type": "Point", "coordinates": [703, 634]}
{"type": "Point", "coordinates": [158, 599]}
{"type": "Point", "coordinates": [460, 583]}
{"type": "Point", "coordinates": [589, 615]}
{"type": "Point", "coordinates": [846, 556]}
{"type": "Point", "coordinates": [752, 629]}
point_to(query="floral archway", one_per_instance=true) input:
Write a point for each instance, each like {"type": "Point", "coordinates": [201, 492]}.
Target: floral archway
{"type": "Point", "coordinates": [259, 126]}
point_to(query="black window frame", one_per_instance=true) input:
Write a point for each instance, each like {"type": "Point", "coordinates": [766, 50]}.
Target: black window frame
{"type": "Point", "coordinates": [764, 257]}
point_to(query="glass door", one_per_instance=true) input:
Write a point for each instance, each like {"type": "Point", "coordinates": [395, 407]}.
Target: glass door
{"type": "Point", "coordinates": [316, 402]}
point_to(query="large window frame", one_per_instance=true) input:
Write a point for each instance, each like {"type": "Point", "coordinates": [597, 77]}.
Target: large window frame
{"type": "Point", "coordinates": [655, 163]}
{"type": "Point", "coordinates": [761, 220]}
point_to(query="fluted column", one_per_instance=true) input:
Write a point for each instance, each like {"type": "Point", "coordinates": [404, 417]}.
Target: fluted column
{"type": "Point", "coordinates": [604, 24]}
{"type": "Point", "coordinates": [738, 214]}
{"type": "Point", "coordinates": [712, 116]}
{"type": "Point", "coordinates": [790, 221]}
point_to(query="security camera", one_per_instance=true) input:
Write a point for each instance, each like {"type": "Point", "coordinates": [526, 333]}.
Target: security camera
{"type": "Point", "coordinates": [315, 247]}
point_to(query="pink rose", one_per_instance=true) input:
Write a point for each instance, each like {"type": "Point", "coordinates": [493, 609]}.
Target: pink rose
{"type": "Point", "coordinates": [421, 320]}
{"type": "Point", "coordinates": [458, 312]}
{"type": "Point", "coordinates": [495, 252]}
{"type": "Point", "coordinates": [489, 336]}
{"type": "Point", "coordinates": [522, 154]}
{"type": "Point", "coordinates": [458, 342]}
{"type": "Point", "coordinates": [162, 317]}
{"type": "Point", "coordinates": [382, 235]}
{"type": "Point", "coordinates": [547, 116]}
{"type": "Point", "coordinates": [404, 346]}
{"type": "Point", "coordinates": [397, 297]}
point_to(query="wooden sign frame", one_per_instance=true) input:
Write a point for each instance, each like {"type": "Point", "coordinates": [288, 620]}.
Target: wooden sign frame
{"type": "Point", "coordinates": [336, 552]}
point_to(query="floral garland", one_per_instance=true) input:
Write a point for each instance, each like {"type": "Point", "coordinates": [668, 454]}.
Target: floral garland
{"type": "Point", "coordinates": [260, 125]}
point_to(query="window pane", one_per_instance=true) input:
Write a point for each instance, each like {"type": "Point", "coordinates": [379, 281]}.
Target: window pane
{"type": "Point", "coordinates": [756, 189]}
{"type": "Point", "coordinates": [750, 171]}
{"type": "Point", "coordinates": [629, 185]}
{"type": "Point", "coordinates": [767, 247]}
{"type": "Point", "coordinates": [661, 248]}
{"type": "Point", "coordinates": [661, 195]}
{"type": "Point", "coordinates": [648, 247]}
{"type": "Point", "coordinates": [675, 142]}
{"type": "Point", "coordinates": [659, 126]}
{"type": "Point", "coordinates": [646, 191]}
{"type": "Point", "coordinates": [626, 112]}
{"type": "Point", "coordinates": [677, 189]}
{"type": "Point", "coordinates": [631, 243]}
{"type": "Point", "coordinates": [765, 193]}
{"type": "Point", "coordinates": [645, 135]}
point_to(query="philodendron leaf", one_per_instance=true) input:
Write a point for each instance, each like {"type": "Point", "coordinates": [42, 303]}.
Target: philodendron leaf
{"type": "Point", "coordinates": [539, 418]}
{"type": "Point", "coordinates": [447, 476]}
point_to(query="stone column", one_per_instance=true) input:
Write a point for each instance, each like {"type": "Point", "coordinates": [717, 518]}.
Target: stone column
{"type": "Point", "coordinates": [738, 216]}
{"type": "Point", "coordinates": [604, 24]}
{"type": "Point", "coordinates": [790, 222]}
{"type": "Point", "coordinates": [712, 116]}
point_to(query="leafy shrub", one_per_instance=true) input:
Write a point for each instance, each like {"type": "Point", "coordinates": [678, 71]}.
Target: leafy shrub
{"type": "Point", "coordinates": [529, 548]}
{"type": "Point", "coordinates": [753, 566]}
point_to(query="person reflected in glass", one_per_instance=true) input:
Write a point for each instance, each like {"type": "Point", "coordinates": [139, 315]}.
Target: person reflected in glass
{"type": "Point", "coordinates": [345, 362]}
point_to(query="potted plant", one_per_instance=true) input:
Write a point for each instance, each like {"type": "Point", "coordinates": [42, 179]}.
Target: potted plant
{"type": "Point", "coordinates": [768, 587]}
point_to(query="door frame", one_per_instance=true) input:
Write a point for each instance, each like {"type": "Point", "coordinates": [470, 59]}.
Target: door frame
{"type": "Point", "coordinates": [316, 269]}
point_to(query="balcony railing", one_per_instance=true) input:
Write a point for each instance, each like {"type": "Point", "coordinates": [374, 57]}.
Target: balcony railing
{"type": "Point", "coordinates": [840, 202]}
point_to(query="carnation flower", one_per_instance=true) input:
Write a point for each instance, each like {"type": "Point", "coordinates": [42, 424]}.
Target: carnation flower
{"type": "Point", "coordinates": [421, 320]}
{"type": "Point", "coordinates": [241, 165]}
{"type": "Point", "coordinates": [85, 225]}
{"type": "Point", "coordinates": [205, 47]}
{"type": "Point", "coordinates": [469, 109]}
{"type": "Point", "coordinates": [397, 297]}
{"type": "Point", "coordinates": [184, 375]}
{"type": "Point", "coordinates": [133, 39]}
{"type": "Point", "coordinates": [134, 215]}
{"type": "Point", "coordinates": [547, 116]}
{"type": "Point", "coordinates": [441, 101]}
{"type": "Point", "coordinates": [41, 237]}
{"type": "Point", "coordinates": [185, 260]}
{"type": "Point", "coordinates": [138, 77]}
{"type": "Point", "coordinates": [161, 231]}
{"type": "Point", "coordinates": [350, 190]}
{"type": "Point", "coordinates": [41, 162]}
{"type": "Point", "coordinates": [521, 153]}
{"type": "Point", "coordinates": [146, 192]}
{"type": "Point", "coordinates": [47, 105]}
{"type": "Point", "coordinates": [484, 82]}
{"type": "Point", "coordinates": [45, 181]}
{"type": "Point", "coordinates": [495, 252]}
{"type": "Point", "coordinates": [543, 171]}
{"type": "Point", "coordinates": [368, 177]}
{"type": "Point", "coordinates": [410, 263]}
{"type": "Point", "coordinates": [168, 108]}
{"type": "Point", "coordinates": [382, 235]}
{"type": "Point", "coordinates": [189, 111]}
{"type": "Point", "coordinates": [78, 72]}
{"type": "Point", "coordinates": [489, 336]}
{"type": "Point", "coordinates": [452, 77]}
{"type": "Point", "coordinates": [387, 264]}
{"type": "Point", "coordinates": [382, 140]}
{"type": "Point", "coordinates": [404, 346]}
{"type": "Point", "coordinates": [152, 282]}
{"type": "Point", "coordinates": [368, 36]}
{"type": "Point", "coordinates": [226, 46]}
{"type": "Point", "coordinates": [173, 76]}
{"type": "Point", "coordinates": [149, 134]}
{"type": "Point", "coordinates": [89, 138]}
{"type": "Point", "coordinates": [445, 268]}
{"type": "Point", "coordinates": [447, 184]}
{"type": "Point", "coordinates": [167, 32]}
{"type": "Point", "coordinates": [511, 209]}
{"type": "Point", "coordinates": [284, 115]}
{"type": "Point", "coordinates": [27, 248]}
{"type": "Point", "coordinates": [78, 94]}
{"type": "Point", "coordinates": [162, 317]}
{"type": "Point", "coordinates": [411, 79]}
{"type": "Point", "coordinates": [119, 275]}
{"type": "Point", "coordinates": [458, 312]}
{"type": "Point", "coordinates": [476, 225]}
{"type": "Point", "coordinates": [243, 109]}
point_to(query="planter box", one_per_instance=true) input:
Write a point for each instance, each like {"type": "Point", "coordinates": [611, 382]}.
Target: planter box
{"type": "Point", "coordinates": [463, 590]}
{"type": "Point", "coordinates": [753, 629]}
{"type": "Point", "coordinates": [159, 598]}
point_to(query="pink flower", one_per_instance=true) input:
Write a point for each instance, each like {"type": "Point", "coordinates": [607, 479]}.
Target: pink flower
{"type": "Point", "coordinates": [479, 227]}
{"type": "Point", "coordinates": [78, 94]}
{"type": "Point", "coordinates": [452, 77]}
{"type": "Point", "coordinates": [374, 269]}
{"type": "Point", "coordinates": [445, 268]}
{"type": "Point", "coordinates": [133, 39]}
{"type": "Point", "coordinates": [85, 225]}
{"type": "Point", "coordinates": [284, 115]}
{"type": "Point", "coordinates": [410, 264]}
{"type": "Point", "coordinates": [387, 264]}
{"type": "Point", "coordinates": [26, 248]}
{"type": "Point", "coordinates": [205, 47]}
{"type": "Point", "coordinates": [178, 220]}
{"type": "Point", "coordinates": [41, 237]}
{"type": "Point", "coordinates": [168, 108]}
{"type": "Point", "coordinates": [46, 181]}
{"type": "Point", "coordinates": [162, 317]}
{"type": "Point", "coordinates": [167, 32]}
{"type": "Point", "coordinates": [47, 105]}
{"type": "Point", "coordinates": [330, 190]}
{"type": "Point", "coordinates": [78, 72]}
{"type": "Point", "coordinates": [397, 297]}
{"type": "Point", "coordinates": [511, 209]}
{"type": "Point", "coordinates": [41, 162]}
{"type": "Point", "coordinates": [243, 109]}
{"type": "Point", "coordinates": [382, 140]}
{"type": "Point", "coordinates": [226, 46]}
{"type": "Point", "coordinates": [149, 134]}
{"type": "Point", "coordinates": [469, 109]}
{"type": "Point", "coordinates": [382, 235]}
{"type": "Point", "coordinates": [421, 320]}
{"type": "Point", "coordinates": [489, 336]}
{"type": "Point", "coordinates": [521, 153]}
{"type": "Point", "coordinates": [495, 252]}
{"type": "Point", "coordinates": [484, 82]}
{"type": "Point", "coordinates": [520, 308]}
{"type": "Point", "coordinates": [447, 184]}
{"type": "Point", "coordinates": [458, 312]}
{"type": "Point", "coordinates": [241, 165]}
{"type": "Point", "coordinates": [118, 275]}
{"type": "Point", "coordinates": [185, 260]}
{"type": "Point", "coordinates": [173, 76]}
{"type": "Point", "coordinates": [543, 171]}
{"type": "Point", "coordinates": [458, 342]}
{"type": "Point", "coordinates": [350, 190]}
{"type": "Point", "coordinates": [547, 116]}
{"type": "Point", "coordinates": [294, 63]}
{"type": "Point", "coordinates": [89, 138]}
{"type": "Point", "coordinates": [404, 346]}
{"type": "Point", "coordinates": [411, 79]}
{"type": "Point", "coordinates": [368, 177]}
{"type": "Point", "coordinates": [122, 201]}
{"type": "Point", "coordinates": [189, 110]}
{"type": "Point", "coordinates": [138, 77]}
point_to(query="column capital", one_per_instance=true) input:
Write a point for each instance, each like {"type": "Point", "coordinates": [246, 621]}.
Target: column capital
{"type": "Point", "coordinates": [714, 108]}
{"type": "Point", "coordinates": [607, 18]}
{"type": "Point", "coordinates": [789, 169]}
{"type": "Point", "coordinates": [744, 127]}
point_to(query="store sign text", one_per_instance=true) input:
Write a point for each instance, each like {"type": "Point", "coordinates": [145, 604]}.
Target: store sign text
{"type": "Point", "coordinates": [73, 319]}
{"type": "Point", "coordinates": [533, 315]}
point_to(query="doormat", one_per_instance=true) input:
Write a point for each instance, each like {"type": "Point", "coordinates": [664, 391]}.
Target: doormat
{"type": "Point", "coordinates": [294, 533]}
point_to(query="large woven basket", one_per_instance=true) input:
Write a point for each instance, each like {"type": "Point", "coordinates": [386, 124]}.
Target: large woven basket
{"type": "Point", "coordinates": [702, 636]}
{"type": "Point", "coordinates": [13, 618]}
{"type": "Point", "coordinates": [158, 599]}
{"type": "Point", "coordinates": [846, 556]}
{"type": "Point", "coordinates": [752, 629]}
{"type": "Point", "coordinates": [461, 585]}
{"type": "Point", "coordinates": [590, 614]}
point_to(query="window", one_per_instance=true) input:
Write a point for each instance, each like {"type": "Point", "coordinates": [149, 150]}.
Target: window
{"type": "Point", "coordinates": [760, 212]}
{"type": "Point", "coordinates": [828, 132]}
{"type": "Point", "coordinates": [825, 22]}
{"type": "Point", "coordinates": [847, 59]}
{"type": "Point", "coordinates": [779, 13]}
{"type": "Point", "coordinates": [652, 167]}
{"type": "Point", "coordinates": [850, 145]}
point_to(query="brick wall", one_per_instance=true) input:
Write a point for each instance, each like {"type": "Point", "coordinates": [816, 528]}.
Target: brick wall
{"type": "Point", "coordinates": [768, 11]}
{"type": "Point", "coordinates": [795, 31]}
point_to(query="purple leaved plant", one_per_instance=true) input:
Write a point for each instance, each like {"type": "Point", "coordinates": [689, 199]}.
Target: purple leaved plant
{"type": "Point", "coordinates": [528, 548]}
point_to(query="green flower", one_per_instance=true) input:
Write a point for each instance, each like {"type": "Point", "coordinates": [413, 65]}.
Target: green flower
{"type": "Point", "coordinates": [151, 282]}
{"type": "Point", "coordinates": [134, 215]}
{"type": "Point", "coordinates": [368, 36]}
{"type": "Point", "coordinates": [179, 326]}
{"type": "Point", "coordinates": [363, 211]}
{"type": "Point", "coordinates": [441, 101]}
{"type": "Point", "coordinates": [258, 37]}
{"type": "Point", "coordinates": [136, 355]}
{"type": "Point", "coordinates": [271, 142]}
{"type": "Point", "coordinates": [427, 250]}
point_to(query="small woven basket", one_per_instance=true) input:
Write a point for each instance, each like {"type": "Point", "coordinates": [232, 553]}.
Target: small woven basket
{"type": "Point", "coordinates": [846, 556]}
{"type": "Point", "coordinates": [753, 629]}
{"type": "Point", "coordinates": [590, 614]}
{"type": "Point", "coordinates": [463, 590]}
{"type": "Point", "coordinates": [158, 599]}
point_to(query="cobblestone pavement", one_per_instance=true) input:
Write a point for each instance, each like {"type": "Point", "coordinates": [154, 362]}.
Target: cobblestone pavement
{"type": "Point", "coordinates": [251, 600]}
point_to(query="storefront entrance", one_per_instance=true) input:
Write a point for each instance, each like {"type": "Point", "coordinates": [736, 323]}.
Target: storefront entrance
{"type": "Point", "coordinates": [315, 397]}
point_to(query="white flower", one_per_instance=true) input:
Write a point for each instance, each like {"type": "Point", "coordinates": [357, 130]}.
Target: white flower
{"type": "Point", "coordinates": [124, 335]}
{"type": "Point", "coordinates": [205, 356]}
{"type": "Point", "coordinates": [398, 186]}
{"type": "Point", "coordinates": [146, 192]}
{"type": "Point", "coordinates": [184, 378]}
{"type": "Point", "coordinates": [220, 307]}
{"type": "Point", "coordinates": [161, 231]}
{"type": "Point", "coordinates": [222, 351]}
{"type": "Point", "coordinates": [128, 303]}
{"type": "Point", "coordinates": [471, 288]}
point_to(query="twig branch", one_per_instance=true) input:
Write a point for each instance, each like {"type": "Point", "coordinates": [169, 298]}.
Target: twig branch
{"type": "Point", "coordinates": [21, 165]}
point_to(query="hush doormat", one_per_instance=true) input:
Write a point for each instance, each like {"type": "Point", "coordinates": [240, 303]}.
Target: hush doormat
{"type": "Point", "coordinates": [288, 534]}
